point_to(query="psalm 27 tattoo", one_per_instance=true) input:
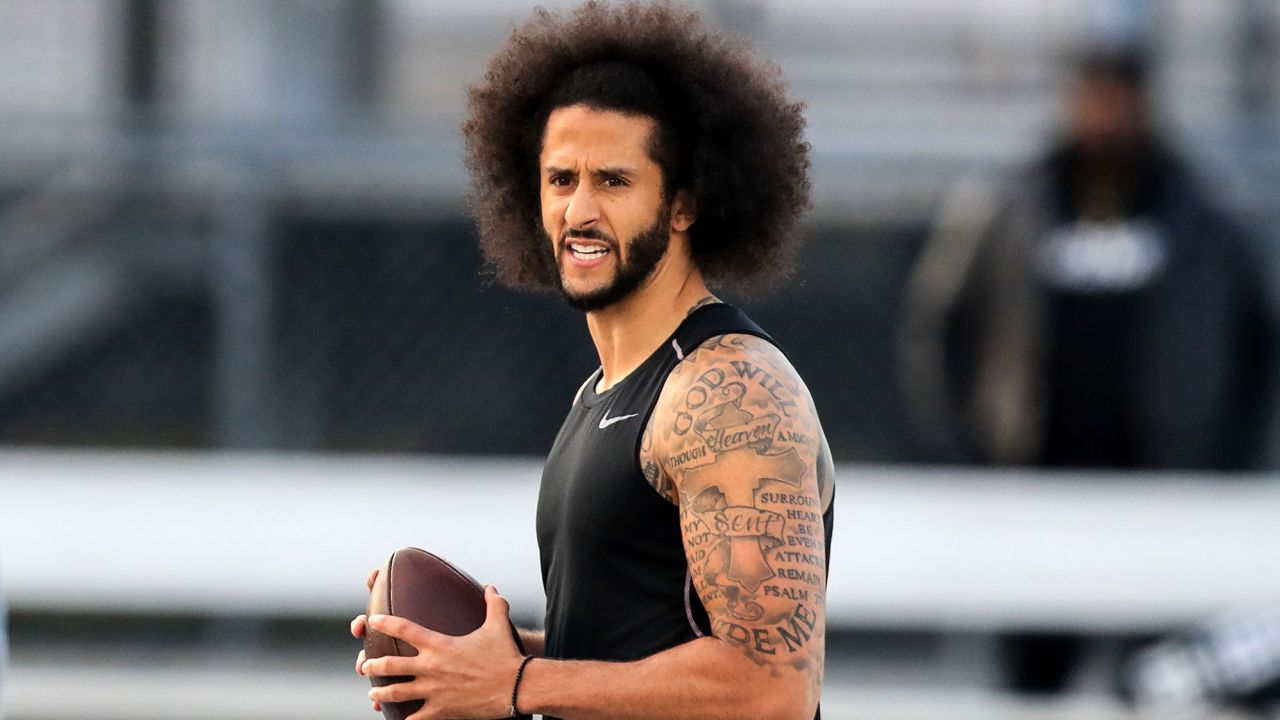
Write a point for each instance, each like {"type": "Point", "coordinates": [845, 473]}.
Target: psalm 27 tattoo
{"type": "Point", "coordinates": [735, 442]}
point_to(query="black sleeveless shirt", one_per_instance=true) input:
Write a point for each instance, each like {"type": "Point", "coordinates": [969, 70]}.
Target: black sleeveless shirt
{"type": "Point", "coordinates": [613, 562]}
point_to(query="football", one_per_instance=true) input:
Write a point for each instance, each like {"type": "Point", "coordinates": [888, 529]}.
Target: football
{"type": "Point", "coordinates": [430, 591]}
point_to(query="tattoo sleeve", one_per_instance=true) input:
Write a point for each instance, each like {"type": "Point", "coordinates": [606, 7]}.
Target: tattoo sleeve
{"type": "Point", "coordinates": [735, 442]}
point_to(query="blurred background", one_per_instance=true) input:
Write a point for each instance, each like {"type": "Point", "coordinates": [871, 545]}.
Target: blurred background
{"type": "Point", "coordinates": [248, 347]}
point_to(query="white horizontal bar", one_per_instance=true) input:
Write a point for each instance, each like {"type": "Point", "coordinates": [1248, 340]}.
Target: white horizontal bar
{"type": "Point", "coordinates": [914, 547]}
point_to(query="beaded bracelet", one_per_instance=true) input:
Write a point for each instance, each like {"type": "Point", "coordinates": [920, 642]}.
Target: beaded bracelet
{"type": "Point", "coordinates": [515, 691]}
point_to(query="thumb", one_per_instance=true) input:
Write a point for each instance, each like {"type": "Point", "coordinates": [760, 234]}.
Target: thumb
{"type": "Point", "coordinates": [497, 609]}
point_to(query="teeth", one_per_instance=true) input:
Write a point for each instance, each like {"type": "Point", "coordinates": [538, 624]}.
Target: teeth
{"type": "Point", "coordinates": [586, 251]}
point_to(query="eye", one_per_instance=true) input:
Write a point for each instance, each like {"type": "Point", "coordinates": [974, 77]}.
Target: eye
{"type": "Point", "coordinates": [614, 181]}
{"type": "Point", "coordinates": [560, 180]}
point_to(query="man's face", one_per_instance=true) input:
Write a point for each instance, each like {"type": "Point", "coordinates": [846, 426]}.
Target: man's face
{"type": "Point", "coordinates": [1106, 116]}
{"type": "Point", "coordinates": [603, 210]}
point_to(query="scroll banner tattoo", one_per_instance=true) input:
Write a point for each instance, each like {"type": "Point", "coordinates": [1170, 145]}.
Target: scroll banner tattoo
{"type": "Point", "coordinates": [727, 427]}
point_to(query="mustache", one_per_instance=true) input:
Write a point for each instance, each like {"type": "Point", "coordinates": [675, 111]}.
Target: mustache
{"type": "Point", "coordinates": [587, 234]}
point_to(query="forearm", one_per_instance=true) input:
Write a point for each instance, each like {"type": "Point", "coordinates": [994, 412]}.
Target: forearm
{"type": "Point", "coordinates": [704, 678]}
{"type": "Point", "coordinates": [534, 642]}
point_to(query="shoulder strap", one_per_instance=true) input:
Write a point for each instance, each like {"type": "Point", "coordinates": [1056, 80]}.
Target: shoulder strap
{"type": "Point", "coordinates": [711, 321]}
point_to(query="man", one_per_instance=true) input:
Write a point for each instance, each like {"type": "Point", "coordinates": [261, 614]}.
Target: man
{"type": "Point", "coordinates": [628, 156]}
{"type": "Point", "coordinates": [1095, 311]}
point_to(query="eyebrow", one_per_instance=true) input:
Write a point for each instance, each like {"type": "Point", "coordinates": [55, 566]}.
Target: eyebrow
{"type": "Point", "coordinates": [618, 170]}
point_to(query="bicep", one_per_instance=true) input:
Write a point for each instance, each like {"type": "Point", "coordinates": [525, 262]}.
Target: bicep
{"type": "Point", "coordinates": [739, 439]}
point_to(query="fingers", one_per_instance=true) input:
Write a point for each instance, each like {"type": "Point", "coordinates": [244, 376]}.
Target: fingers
{"type": "Point", "coordinates": [397, 692]}
{"type": "Point", "coordinates": [359, 626]}
{"type": "Point", "coordinates": [406, 630]}
{"type": "Point", "coordinates": [390, 666]}
{"type": "Point", "coordinates": [497, 609]}
{"type": "Point", "coordinates": [360, 661]}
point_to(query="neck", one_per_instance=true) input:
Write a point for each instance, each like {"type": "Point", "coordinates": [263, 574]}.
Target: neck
{"type": "Point", "coordinates": [627, 332]}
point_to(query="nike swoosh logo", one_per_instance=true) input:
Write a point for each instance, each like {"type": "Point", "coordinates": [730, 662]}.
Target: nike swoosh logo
{"type": "Point", "coordinates": [606, 421]}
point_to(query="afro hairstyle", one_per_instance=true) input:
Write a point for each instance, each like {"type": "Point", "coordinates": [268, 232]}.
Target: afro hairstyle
{"type": "Point", "coordinates": [727, 134]}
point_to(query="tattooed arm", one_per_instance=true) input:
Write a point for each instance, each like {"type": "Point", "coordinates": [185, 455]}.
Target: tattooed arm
{"type": "Point", "coordinates": [735, 441]}
{"type": "Point", "coordinates": [738, 445]}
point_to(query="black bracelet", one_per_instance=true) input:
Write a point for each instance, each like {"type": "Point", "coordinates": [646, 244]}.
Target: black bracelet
{"type": "Point", "coordinates": [515, 691]}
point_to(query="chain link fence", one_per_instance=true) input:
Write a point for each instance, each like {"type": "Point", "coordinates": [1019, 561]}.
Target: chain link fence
{"type": "Point", "coordinates": [389, 336]}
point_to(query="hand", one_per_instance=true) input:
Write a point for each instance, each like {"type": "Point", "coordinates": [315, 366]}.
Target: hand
{"type": "Point", "coordinates": [360, 623]}
{"type": "Point", "coordinates": [459, 677]}
{"type": "Point", "coordinates": [358, 627]}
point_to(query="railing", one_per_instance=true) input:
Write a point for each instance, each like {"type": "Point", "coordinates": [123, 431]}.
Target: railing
{"type": "Point", "coordinates": [281, 535]}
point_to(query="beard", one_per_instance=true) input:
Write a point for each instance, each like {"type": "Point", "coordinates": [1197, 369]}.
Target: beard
{"type": "Point", "coordinates": [645, 250]}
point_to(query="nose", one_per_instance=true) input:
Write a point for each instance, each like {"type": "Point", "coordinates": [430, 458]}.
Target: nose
{"type": "Point", "coordinates": [583, 209]}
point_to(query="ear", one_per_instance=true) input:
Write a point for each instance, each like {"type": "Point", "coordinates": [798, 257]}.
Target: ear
{"type": "Point", "coordinates": [683, 211]}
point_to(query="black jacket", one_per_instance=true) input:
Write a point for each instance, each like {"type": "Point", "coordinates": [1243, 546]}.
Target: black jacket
{"type": "Point", "coordinates": [975, 347]}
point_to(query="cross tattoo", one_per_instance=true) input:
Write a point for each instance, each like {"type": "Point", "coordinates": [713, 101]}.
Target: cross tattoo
{"type": "Point", "coordinates": [727, 506]}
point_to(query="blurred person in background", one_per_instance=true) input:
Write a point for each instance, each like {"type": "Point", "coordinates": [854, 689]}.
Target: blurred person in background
{"type": "Point", "coordinates": [1095, 310]}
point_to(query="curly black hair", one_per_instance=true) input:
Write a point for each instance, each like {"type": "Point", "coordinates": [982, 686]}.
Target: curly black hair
{"type": "Point", "coordinates": [728, 134]}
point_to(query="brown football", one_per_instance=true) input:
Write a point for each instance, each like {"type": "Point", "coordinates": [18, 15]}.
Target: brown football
{"type": "Point", "coordinates": [428, 590]}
